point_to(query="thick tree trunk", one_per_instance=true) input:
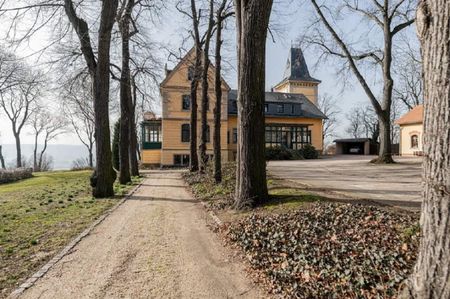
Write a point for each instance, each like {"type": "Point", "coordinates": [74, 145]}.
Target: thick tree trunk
{"type": "Point", "coordinates": [104, 176]}
{"type": "Point", "coordinates": [218, 107]}
{"type": "Point", "coordinates": [2, 159]}
{"type": "Point", "coordinates": [431, 277]}
{"type": "Point", "coordinates": [18, 151]}
{"type": "Point", "coordinates": [193, 162]}
{"type": "Point", "coordinates": [125, 97]}
{"type": "Point", "coordinates": [252, 17]}
{"type": "Point", "coordinates": [385, 150]}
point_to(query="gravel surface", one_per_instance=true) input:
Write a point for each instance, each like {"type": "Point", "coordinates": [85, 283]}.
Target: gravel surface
{"type": "Point", "coordinates": [156, 245]}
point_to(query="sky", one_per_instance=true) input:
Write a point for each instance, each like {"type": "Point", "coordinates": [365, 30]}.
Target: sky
{"type": "Point", "coordinates": [288, 22]}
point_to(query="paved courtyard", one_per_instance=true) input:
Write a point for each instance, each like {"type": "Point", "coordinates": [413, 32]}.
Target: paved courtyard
{"type": "Point", "coordinates": [354, 177]}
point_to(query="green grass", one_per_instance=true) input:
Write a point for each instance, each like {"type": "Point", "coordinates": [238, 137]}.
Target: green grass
{"type": "Point", "coordinates": [40, 215]}
{"type": "Point", "coordinates": [289, 198]}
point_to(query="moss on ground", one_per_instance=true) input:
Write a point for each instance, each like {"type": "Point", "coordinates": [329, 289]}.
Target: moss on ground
{"type": "Point", "coordinates": [40, 215]}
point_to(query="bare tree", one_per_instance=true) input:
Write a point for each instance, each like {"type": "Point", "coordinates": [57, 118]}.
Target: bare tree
{"type": "Point", "coordinates": [408, 73]}
{"type": "Point", "coordinates": [18, 103]}
{"type": "Point", "coordinates": [77, 104]}
{"type": "Point", "coordinates": [49, 127]}
{"type": "Point", "coordinates": [252, 21]}
{"type": "Point", "coordinates": [328, 105]}
{"type": "Point", "coordinates": [223, 12]}
{"type": "Point", "coordinates": [390, 17]}
{"type": "Point", "coordinates": [431, 276]}
{"type": "Point", "coordinates": [104, 175]}
{"type": "Point", "coordinates": [124, 19]}
{"type": "Point", "coordinates": [363, 123]}
{"type": "Point", "coordinates": [205, 85]}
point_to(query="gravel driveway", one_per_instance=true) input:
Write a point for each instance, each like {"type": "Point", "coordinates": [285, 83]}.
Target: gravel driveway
{"type": "Point", "coordinates": [355, 178]}
{"type": "Point", "coordinates": [155, 245]}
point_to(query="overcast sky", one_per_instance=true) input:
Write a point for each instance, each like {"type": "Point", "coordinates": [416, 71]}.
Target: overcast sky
{"type": "Point", "coordinates": [289, 22]}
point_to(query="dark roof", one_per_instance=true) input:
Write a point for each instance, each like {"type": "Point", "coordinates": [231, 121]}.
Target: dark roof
{"type": "Point", "coordinates": [348, 140]}
{"type": "Point", "coordinates": [296, 67]}
{"type": "Point", "coordinates": [298, 105]}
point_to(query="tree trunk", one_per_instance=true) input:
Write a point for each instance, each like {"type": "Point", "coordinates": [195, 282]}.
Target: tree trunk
{"type": "Point", "coordinates": [431, 277]}
{"type": "Point", "coordinates": [252, 18]}
{"type": "Point", "coordinates": [41, 155]}
{"type": "Point", "coordinates": [125, 97]}
{"type": "Point", "coordinates": [385, 150]}
{"type": "Point", "coordinates": [193, 161]}
{"type": "Point", "coordinates": [35, 165]}
{"type": "Point", "coordinates": [134, 163]}
{"type": "Point", "coordinates": [91, 158]}
{"type": "Point", "coordinates": [2, 159]}
{"type": "Point", "coordinates": [104, 176]}
{"type": "Point", "coordinates": [218, 107]}
{"type": "Point", "coordinates": [18, 151]}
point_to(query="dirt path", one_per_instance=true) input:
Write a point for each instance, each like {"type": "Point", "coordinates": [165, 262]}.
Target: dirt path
{"type": "Point", "coordinates": [156, 245]}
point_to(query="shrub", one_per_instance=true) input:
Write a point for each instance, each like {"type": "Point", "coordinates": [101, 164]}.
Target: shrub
{"type": "Point", "coordinates": [8, 176]}
{"type": "Point", "coordinates": [81, 164]}
{"type": "Point", "coordinates": [308, 152]}
{"type": "Point", "coordinates": [278, 153]}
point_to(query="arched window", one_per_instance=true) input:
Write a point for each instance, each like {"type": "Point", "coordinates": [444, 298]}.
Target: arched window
{"type": "Point", "coordinates": [414, 141]}
{"type": "Point", "coordinates": [185, 133]}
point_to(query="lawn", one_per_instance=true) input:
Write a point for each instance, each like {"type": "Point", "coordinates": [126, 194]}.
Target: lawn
{"type": "Point", "coordinates": [39, 216]}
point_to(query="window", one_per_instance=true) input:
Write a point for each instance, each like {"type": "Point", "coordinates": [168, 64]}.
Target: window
{"type": "Point", "coordinates": [234, 105]}
{"type": "Point", "coordinates": [180, 160]}
{"type": "Point", "coordinates": [185, 133]}
{"type": "Point", "coordinates": [266, 108]}
{"type": "Point", "coordinates": [186, 102]}
{"type": "Point", "coordinates": [190, 74]}
{"type": "Point", "coordinates": [414, 141]}
{"type": "Point", "coordinates": [288, 136]}
{"type": "Point", "coordinates": [235, 135]}
{"type": "Point", "coordinates": [228, 137]}
{"type": "Point", "coordinates": [292, 109]}
{"type": "Point", "coordinates": [152, 133]}
{"type": "Point", "coordinates": [280, 108]}
{"type": "Point", "coordinates": [208, 134]}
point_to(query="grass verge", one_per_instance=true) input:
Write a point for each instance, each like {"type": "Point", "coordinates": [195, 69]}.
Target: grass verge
{"type": "Point", "coordinates": [40, 215]}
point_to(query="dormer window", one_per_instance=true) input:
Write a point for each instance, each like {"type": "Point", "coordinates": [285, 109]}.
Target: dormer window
{"type": "Point", "coordinates": [280, 108]}
{"type": "Point", "coordinates": [190, 73]}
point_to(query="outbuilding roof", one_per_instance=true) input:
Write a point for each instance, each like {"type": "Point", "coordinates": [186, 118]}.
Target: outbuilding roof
{"type": "Point", "coordinates": [415, 116]}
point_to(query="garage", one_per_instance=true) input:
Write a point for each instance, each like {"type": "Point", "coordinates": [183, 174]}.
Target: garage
{"type": "Point", "coordinates": [356, 146]}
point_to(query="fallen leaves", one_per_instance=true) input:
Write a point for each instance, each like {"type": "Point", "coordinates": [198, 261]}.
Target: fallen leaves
{"type": "Point", "coordinates": [329, 250]}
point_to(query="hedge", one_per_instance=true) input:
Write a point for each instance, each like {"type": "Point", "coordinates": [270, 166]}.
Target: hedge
{"type": "Point", "coordinates": [12, 175]}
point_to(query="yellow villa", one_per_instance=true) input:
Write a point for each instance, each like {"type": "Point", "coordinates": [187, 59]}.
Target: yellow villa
{"type": "Point", "coordinates": [291, 114]}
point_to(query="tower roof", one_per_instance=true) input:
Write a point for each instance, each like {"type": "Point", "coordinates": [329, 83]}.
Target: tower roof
{"type": "Point", "coordinates": [296, 67]}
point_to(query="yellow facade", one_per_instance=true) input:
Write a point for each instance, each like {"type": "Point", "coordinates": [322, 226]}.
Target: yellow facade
{"type": "Point", "coordinates": [177, 84]}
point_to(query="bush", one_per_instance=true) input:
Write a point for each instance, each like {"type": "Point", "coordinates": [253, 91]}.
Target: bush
{"type": "Point", "coordinates": [308, 152]}
{"type": "Point", "coordinates": [278, 153]}
{"type": "Point", "coordinates": [81, 164]}
{"type": "Point", "coordinates": [8, 176]}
